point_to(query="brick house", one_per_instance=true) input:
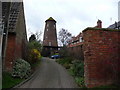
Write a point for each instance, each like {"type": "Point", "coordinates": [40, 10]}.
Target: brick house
{"type": "Point", "coordinates": [100, 49]}
{"type": "Point", "coordinates": [15, 37]}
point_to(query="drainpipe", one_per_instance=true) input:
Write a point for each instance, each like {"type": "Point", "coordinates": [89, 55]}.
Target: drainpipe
{"type": "Point", "coordinates": [5, 32]}
{"type": "Point", "coordinates": [1, 37]}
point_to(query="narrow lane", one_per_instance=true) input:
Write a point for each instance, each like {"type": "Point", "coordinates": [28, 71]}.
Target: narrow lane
{"type": "Point", "coordinates": [50, 75]}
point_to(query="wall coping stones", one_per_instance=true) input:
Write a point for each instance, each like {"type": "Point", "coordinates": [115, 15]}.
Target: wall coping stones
{"type": "Point", "coordinates": [104, 29]}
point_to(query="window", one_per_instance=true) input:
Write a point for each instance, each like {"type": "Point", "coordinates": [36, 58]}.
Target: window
{"type": "Point", "coordinates": [54, 25]}
{"type": "Point", "coordinates": [81, 40]}
{"type": "Point", "coordinates": [49, 43]}
{"type": "Point", "coordinates": [46, 37]}
{"type": "Point", "coordinates": [47, 29]}
{"type": "Point", "coordinates": [47, 25]}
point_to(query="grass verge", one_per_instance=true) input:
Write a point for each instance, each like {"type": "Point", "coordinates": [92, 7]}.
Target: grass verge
{"type": "Point", "coordinates": [9, 82]}
{"type": "Point", "coordinates": [75, 68]}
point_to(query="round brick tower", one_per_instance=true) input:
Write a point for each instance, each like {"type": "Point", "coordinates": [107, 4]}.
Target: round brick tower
{"type": "Point", "coordinates": [50, 44]}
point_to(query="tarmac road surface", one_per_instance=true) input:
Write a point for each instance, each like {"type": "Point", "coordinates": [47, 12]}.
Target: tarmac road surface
{"type": "Point", "coordinates": [50, 75]}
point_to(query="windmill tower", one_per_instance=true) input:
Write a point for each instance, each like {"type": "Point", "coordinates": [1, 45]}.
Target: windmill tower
{"type": "Point", "coordinates": [50, 45]}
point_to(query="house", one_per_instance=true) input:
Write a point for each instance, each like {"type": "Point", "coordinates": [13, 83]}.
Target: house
{"type": "Point", "coordinates": [14, 36]}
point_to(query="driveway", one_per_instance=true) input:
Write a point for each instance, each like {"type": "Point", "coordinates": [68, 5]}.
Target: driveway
{"type": "Point", "coordinates": [50, 75]}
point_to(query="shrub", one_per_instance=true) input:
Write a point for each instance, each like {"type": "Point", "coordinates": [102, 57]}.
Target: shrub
{"type": "Point", "coordinates": [80, 81]}
{"type": "Point", "coordinates": [66, 62]}
{"type": "Point", "coordinates": [78, 68]}
{"type": "Point", "coordinates": [21, 69]}
{"type": "Point", "coordinates": [34, 45]}
{"type": "Point", "coordinates": [34, 56]}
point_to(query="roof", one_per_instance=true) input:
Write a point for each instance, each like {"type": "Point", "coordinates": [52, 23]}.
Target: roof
{"type": "Point", "coordinates": [50, 19]}
{"type": "Point", "coordinates": [115, 25]}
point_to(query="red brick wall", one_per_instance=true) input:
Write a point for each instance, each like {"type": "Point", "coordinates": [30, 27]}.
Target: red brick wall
{"type": "Point", "coordinates": [10, 52]}
{"type": "Point", "coordinates": [101, 56]}
{"type": "Point", "coordinates": [76, 52]}
{"type": "Point", "coordinates": [16, 43]}
{"type": "Point", "coordinates": [15, 49]}
{"type": "Point", "coordinates": [18, 50]}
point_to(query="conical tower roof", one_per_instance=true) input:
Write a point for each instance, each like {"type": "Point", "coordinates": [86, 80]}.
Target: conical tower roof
{"type": "Point", "coordinates": [50, 19]}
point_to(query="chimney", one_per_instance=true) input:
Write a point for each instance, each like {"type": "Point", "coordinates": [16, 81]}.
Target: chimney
{"type": "Point", "coordinates": [99, 24]}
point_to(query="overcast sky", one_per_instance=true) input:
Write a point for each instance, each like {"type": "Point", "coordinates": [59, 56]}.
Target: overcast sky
{"type": "Point", "coordinates": [73, 15]}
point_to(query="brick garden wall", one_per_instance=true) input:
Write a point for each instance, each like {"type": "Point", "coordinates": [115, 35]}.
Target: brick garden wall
{"type": "Point", "coordinates": [76, 52]}
{"type": "Point", "coordinates": [101, 56]}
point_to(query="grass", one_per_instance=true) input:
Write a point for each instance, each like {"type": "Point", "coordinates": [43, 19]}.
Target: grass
{"type": "Point", "coordinates": [80, 82]}
{"type": "Point", "coordinates": [9, 82]}
{"type": "Point", "coordinates": [73, 70]}
{"type": "Point", "coordinates": [107, 86]}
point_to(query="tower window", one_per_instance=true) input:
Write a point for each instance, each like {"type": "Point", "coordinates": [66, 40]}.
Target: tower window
{"type": "Point", "coordinates": [54, 25]}
{"type": "Point", "coordinates": [46, 37]}
{"type": "Point", "coordinates": [47, 25]}
{"type": "Point", "coordinates": [49, 43]}
{"type": "Point", "coordinates": [47, 29]}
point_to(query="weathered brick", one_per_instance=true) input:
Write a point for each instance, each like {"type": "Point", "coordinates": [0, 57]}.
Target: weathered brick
{"type": "Point", "coordinates": [101, 58]}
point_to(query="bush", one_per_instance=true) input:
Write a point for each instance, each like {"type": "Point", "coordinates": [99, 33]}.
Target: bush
{"type": "Point", "coordinates": [34, 45]}
{"type": "Point", "coordinates": [34, 56]}
{"type": "Point", "coordinates": [66, 62]}
{"type": "Point", "coordinates": [21, 69]}
{"type": "Point", "coordinates": [80, 81]}
{"type": "Point", "coordinates": [78, 68]}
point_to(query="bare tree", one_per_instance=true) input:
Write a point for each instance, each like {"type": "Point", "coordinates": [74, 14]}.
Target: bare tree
{"type": "Point", "coordinates": [38, 35]}
{"type": "Point", "coordinates": [64, 36]}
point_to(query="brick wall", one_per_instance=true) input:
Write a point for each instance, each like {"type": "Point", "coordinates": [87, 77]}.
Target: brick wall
{"type": "Point", "coordinates": [101, 56]}
{"type": "Point", "coordinates": [16, 42]}
{"type": "Point", "coordinates": [50, 35]}
{"type": "Point", "coordinates": [76, 52]}
{"type": "Point", "coordinates": [10, 51]}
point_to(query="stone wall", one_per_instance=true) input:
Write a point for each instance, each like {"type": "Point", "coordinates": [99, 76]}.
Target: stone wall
{"type": "Point", "coordinates": [101, 56]}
